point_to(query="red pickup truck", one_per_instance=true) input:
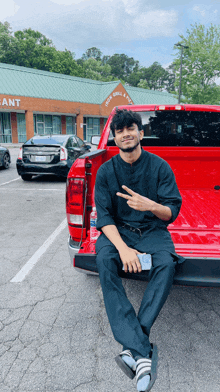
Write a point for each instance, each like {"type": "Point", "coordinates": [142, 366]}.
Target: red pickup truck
{"type": "Point", "coordinates": [188, 138]}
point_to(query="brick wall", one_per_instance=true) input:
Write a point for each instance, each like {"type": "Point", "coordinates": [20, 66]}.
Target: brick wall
{"type": "Point", "coordinates": [30, 105]}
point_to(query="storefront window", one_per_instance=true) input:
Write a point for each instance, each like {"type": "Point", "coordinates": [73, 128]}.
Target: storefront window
{"type": "Point", "coordinates": [5, 128]}
{"type": "Point", "coordinates": [47, 124]}
{"type": "Point", "coordinates": [70, 125]}
{"type": "Point", "coordinates": [21, 123]}
{"type": "Point", "coordinates": [91, 127]}
{"type": "Point", "coordinates": [57, 124]}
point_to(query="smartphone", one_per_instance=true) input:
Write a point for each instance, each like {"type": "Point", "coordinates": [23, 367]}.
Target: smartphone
{"type": "Point", "coordinates": [145, 260]}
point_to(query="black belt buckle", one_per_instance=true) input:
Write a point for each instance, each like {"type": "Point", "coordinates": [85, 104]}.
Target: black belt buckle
{"type": "Point", "coordinates": [134, 229]}
{"type": "Point", "coordinates": [139, 230]}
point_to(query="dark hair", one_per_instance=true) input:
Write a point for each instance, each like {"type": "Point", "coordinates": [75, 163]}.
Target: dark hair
{"type": "Point", "coordinates": [125, 118]}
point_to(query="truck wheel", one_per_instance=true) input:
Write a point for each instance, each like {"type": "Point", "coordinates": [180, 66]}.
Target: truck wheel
{"type": "Point", "coordinates": [26, 177]}
{"type": "Point", "coordinates": [6, 161]}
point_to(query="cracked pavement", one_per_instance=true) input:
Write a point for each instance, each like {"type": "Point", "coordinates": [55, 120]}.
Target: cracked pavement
{"type": "Point", "coordinates": [54, 332]}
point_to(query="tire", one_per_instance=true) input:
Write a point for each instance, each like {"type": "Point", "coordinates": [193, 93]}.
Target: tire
{"type": "Point", "coordinates": [26, 177]}
{"type": "Point", "coordinates": [6, 161]}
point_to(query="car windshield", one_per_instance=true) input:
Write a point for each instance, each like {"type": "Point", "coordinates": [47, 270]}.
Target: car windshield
{"type": "Point", "coordinates": [179, 128]}
{"type": "Point", "coordinates": [58, 139]}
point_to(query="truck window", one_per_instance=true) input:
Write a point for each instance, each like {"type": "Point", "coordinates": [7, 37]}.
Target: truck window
{"type": "Point", "coordinates": [179, 128]}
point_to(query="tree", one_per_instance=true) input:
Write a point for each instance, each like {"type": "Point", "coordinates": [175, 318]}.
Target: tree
{"type": "Point", "coordinates": [93, 69]}
{"type": "Point", "coordinates": [6, 39]}
{"type": "Point", "coordinates": [29, 48]}
{"type": "Point", "coordinates": [122, 66]}
{"type": "Point", "coordinates": [156, 76]}
{"type": "Point", "coordinates": [200, 65]}
{"type": "Point", "coordinates": [143, 84]}
{"type": "Point", "coordinates": [92, 53]}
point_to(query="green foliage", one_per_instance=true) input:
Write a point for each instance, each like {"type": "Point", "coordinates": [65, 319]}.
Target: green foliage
{"type": "Point", "coordinates": [92, 53]}
{"type": "Point", "coordinates": [5, 40]}
{"type": "Point", "coordinates": [29, 48]}
{"type": "Point", "coordinates": [122, 66]}
{"type": "Point", "coordinates": [143, 84]}
{"type": "Point", "coordinates": [93, 69]}
{"type": "Point", "coordinates": [200, 65]}
{"type": "Point", "coordinates": [155, 77]}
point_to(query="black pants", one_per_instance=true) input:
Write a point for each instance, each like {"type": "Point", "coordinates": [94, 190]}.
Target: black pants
{"type": "Point", "coordinates": [129, 329]}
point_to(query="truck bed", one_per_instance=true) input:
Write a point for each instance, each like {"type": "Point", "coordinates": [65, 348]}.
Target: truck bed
{"type": "Point", "coordinates": [196, 231]}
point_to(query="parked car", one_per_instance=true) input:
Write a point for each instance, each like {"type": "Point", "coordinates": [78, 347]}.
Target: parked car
{"type": "Point", "coordinates": [49, 154]}
{"type": "Point", "coordinates": [5, 158]}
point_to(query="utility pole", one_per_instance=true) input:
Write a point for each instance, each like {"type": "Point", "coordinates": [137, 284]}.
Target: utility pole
{"type": "Point", "coordinates": [185, 47]}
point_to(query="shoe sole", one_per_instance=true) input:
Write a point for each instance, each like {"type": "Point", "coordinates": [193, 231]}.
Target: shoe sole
{"type": "Point", "coordinates": [124, 367]}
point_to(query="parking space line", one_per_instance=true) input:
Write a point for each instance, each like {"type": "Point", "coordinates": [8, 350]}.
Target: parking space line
{"type": "Point", "coordinates": [36, 256]}
{"type": "Point", "coordinates": [4, 183]}
{"type": "Point", "coordinates": [32, 189]}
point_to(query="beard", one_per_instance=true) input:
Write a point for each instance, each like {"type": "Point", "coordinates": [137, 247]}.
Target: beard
{"type": "Point", "coordinates": [130, 149]}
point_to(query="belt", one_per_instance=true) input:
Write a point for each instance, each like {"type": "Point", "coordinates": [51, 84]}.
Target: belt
{"type": "Point", "coordinates": [131, 228]}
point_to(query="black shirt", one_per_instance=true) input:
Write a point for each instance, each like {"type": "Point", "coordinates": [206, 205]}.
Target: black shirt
{"type": "Point", "coordinates": [150, 176]}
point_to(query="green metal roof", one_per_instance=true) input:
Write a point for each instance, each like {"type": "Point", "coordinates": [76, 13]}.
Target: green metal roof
{"type": "Point", "coordinates": [29, 82]}
{"type": "Point", "coordinates": [141, 96]}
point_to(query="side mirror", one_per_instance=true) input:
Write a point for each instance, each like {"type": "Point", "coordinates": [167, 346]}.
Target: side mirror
{"type": "Point", "coordinates": [95, 140]}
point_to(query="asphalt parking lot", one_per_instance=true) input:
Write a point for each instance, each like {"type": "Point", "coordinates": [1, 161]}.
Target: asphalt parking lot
{"type": "Point", "coordinates": [54, 333]}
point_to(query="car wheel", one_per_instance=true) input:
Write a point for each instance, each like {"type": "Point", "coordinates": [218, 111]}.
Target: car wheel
{"type": "Point", "coordinates": [6, 161]}
{"type": "Point", "coordinates": [26, 177]}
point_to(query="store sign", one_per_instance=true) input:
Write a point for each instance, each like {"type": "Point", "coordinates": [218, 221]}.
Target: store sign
{"type": "Point", "coordinates": [10, 102]}
{"type": "Point", "coordinates": [116, 94]}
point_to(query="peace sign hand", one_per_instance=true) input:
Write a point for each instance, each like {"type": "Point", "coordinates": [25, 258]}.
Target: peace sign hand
{"type": "Point", "coordinates": [136, 201]}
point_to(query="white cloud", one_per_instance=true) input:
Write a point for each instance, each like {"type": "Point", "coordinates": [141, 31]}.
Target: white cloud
{"type": "Point", "coordinates": [155, 23]}
{"type": "Point", "coordinates": [198, 9]}
{"type": "Point", "coordinates": [166, 65]}
{"type": "Point", "coordinates": [131, 6]}
{"type": "Point", "coordinates": [67, 2]}
{"type": "Point", "coordinates": [8, 8]}
{"type": "Point", "coordinates": [205, 11]}
{"type": "Point", "coordinates": [107, 24]}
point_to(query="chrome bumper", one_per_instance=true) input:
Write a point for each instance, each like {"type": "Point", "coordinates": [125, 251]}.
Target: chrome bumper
{"type": "Point", "coordinates": [73, 249]}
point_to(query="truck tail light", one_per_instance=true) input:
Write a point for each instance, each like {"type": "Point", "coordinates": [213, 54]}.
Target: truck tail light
{"type": "Point", "coordinates": [75, 193]}
{"type": "Point", "coordinates": [63, 154]}
{"type": "Point", "coordinates": [20, 154]}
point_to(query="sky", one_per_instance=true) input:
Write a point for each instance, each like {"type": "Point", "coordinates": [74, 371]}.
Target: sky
{"type": "Point", "coordinates": [143, 29]}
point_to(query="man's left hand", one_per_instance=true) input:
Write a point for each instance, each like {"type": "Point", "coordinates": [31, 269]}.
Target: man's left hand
{"type": "Point", "coordinates": [136, 201]}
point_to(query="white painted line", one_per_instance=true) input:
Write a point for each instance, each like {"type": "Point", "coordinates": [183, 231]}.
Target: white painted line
{"type": "Point", "coordinates": [18, 178]}
{"type": "Point", "coordinates": [34, 259]}
{"type": "Point", "coordinates": [32, 189]}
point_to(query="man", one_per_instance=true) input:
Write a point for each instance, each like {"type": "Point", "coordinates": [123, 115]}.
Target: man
{"type": "Point", "coordinates": [136, 198]}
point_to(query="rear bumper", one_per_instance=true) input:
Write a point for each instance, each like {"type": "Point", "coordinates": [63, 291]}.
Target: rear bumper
{"type": "Point", "coordinates": [59, 169]}
{"type": "Point", "coordinates": [204, 272]}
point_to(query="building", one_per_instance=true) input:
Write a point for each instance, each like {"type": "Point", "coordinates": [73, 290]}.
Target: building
{"type": "Point", "coordinates": [39, 102]}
